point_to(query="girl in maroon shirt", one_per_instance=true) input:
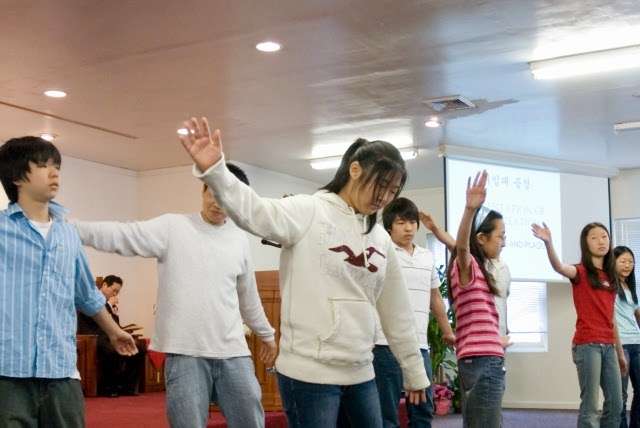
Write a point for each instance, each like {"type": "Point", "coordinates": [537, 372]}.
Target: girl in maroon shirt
{"type": "Point", "coordinates": [597, 352]}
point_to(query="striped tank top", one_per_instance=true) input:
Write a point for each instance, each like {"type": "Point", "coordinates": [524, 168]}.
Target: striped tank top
{"type": "Point", "coordinates": [477, 321]}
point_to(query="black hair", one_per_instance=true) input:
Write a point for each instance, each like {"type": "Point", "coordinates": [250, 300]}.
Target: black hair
{"type": "Point", "coordinates": [112, 279]}
{"type": "Point", "coordinates": [380, 161]}
{"type": "Point", "coordinates": [235, 170]}
{"type": "Point", "coordinates": [608, 264]}
{"type": "Point", "coordinates": [631, 279]}
{"type": "Point", "coordinates": [15, 155]}
{"type": "Point", "coordinates": [487, 226]}
{"type": "Point", "coordinates": [400, 208]}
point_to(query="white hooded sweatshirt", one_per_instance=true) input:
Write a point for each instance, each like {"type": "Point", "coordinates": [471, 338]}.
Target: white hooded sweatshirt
{"type": "Point", "coordinates": [333, 278]}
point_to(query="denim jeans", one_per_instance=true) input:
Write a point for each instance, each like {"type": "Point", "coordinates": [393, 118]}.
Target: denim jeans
{"type": "Point", "coordinates": [33, 403]}
{"type": "Point", "coordinates": [389, 383]}
{"type": "Point", "coordinates": [598, 367]}
{"type": "Point", "coordinates": [193, 382]}
{"type": "Point", "coordinates": [314, 405]}
{"type": "Point", "coordinates": [482, 381]}
{"type": "Point", "coordinates": [632, 354]}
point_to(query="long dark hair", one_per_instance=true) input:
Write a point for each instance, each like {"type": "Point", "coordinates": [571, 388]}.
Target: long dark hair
{"type": "Point", "coordinates": [586, 258]}
{"type": "Point", "coordinates": [631, 279]}
{"type": "Point", "coordinates": [380, 161]}
{"type": "Point", "coordinates": [487, 226]}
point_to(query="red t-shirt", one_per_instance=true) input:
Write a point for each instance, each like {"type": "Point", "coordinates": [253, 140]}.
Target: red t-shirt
{"type": "Point", "coordinates": [594, 307]}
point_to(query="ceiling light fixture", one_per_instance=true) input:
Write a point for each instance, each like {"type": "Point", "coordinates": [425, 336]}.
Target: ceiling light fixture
{"type": "Point", "coordinates": [587, 63]}
{"type": "Point", "coordinates": [268, 46]}
{"type": "Point", "coordinates": [333, 162]}
{"type": "Point", "coordinates": [433, 122]}
{"type": "Point", "coordinates": [48, 137]}
{"type": "Point", "coordinates": [627, 126]}
{"type": "Point", "coordinates": [55, 93]}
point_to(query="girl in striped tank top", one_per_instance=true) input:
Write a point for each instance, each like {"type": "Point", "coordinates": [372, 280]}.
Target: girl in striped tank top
{"type": "Point", "coordinates": [479, 347]}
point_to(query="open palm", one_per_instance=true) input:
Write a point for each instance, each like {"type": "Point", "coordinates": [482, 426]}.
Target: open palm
{"type": "Point", "coordinates": [541, 232]}
{"type": "Point", "coordinates": [204, 147]}
{"type": "Point", "coordinates": [477, 191]}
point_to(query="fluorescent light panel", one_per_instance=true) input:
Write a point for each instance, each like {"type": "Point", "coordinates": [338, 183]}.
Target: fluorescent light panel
{"type": "Point", "coordinates": [333, 162]}
{"type": "Point", "coordinates": [626, 126]}
{"type": "Point", "coordinates": [587, 63]}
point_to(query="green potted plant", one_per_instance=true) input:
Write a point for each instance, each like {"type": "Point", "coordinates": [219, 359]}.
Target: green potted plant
{"type": "Point", "coordinates": [443, 358]}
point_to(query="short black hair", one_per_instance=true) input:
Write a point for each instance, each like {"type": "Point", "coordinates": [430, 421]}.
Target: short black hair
{"type": "Point", "coordinates": [235, 170]}
{"type": "Point", "coordinates": [401, 208]}
{"type": "Point", "coordinates": [112, 279]}
{"type": "Point", "coordinates": [15, 155]}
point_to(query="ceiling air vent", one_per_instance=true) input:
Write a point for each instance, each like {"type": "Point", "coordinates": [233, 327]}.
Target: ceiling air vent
{"type": "Point", "coordinates": [450, 103]}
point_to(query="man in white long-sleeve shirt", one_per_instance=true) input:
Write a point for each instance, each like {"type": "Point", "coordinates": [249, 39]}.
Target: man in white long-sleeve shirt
{"type": "Point", "coordinates": [206, 290]}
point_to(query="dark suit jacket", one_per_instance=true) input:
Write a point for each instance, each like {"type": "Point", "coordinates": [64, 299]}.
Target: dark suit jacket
{"type": "Point", "coordinates": [86, 325]}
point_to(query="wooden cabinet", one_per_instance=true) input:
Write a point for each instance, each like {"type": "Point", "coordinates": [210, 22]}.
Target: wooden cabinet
{"type": "Point", "coordinates": [270, 297]}
{"type": "Point", "coordinates": [86, 345]}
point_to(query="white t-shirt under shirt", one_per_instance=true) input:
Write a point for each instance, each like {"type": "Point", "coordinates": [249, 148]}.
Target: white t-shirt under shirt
{"type": "Point", "coordinates": [502, 277]}
{"type": "Point", "coordinates": [421, 277]}
{"type": "Point", "coordinates": [42, 228]}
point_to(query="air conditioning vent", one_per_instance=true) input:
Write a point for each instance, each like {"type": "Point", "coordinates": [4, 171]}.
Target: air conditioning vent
{"type": "Point", "coordinates": [449, 103]}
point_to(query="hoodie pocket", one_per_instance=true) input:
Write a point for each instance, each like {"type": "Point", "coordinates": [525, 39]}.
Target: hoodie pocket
{"type": "Point", "coordinates": [351, 337]}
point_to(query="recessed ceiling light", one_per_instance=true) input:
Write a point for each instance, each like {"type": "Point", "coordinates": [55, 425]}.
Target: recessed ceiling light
{"type": "Point", "coordinates": [432, 122]}
{"type": "Point", "coordinates": [48, 137]}
{"type": "Point", "coordinates": [55, 93]}
{"type": "Point", "coordinates": [268, 46]}
{"type": "Point", "coordinates": [183, 131]}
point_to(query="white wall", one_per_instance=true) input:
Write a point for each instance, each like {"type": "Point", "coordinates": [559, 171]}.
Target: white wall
{"type": "Point", "coordinates": [625, 194]}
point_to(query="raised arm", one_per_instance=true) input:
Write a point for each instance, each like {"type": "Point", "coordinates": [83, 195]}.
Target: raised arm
{"type": "Point", "coordinates": [440, 234]}
{"type": "Point", "coordinates": [145, 238]}
{"type": "Point", "coordinates": [476, 195]}
{"type": "Point", "coordinates": [282, 220]}
{"type": "Point", "coordinates": [544, 234]}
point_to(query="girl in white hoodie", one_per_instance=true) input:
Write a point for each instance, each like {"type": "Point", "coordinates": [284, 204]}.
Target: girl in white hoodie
{"type": "Point", "coordinates": [337, 268]}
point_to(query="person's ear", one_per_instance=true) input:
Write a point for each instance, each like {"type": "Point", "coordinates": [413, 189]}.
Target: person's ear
{"type": "Point", "coordinates": [355, 170]}
{"type": "Point", "coordinates": [482, 238]}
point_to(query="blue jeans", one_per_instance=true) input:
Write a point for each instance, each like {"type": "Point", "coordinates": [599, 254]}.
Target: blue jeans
{"type": "Point", "coordinates": [389, 382]}
{"type": "Point", "coordinates": [193, 382]}
{"type": "Point", "coordinates": [632, 353]}
{"type": "Point", "coordinates": [482, 381]}
{"type": "Point", "coordinates": [314, 405]}
{"type": "Point", "coordinates": [598, 367]}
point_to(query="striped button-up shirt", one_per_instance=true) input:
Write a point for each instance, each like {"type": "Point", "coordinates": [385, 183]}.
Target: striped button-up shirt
{"type": "Point", "coordinates": [42, 282]}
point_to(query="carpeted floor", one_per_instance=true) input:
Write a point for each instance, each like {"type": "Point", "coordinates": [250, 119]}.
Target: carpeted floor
{"type": "Point", "coordinates": [148, 411]}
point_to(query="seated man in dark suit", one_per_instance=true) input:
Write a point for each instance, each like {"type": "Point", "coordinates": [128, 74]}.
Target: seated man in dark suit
{"type": "Point", "coordinates": [117, 374]}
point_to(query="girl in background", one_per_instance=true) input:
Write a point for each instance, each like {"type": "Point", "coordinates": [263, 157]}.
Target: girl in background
{"type": "Point", "coordinates": [597, 352]}
{"type": "Point", "coordinates": [627, 316]}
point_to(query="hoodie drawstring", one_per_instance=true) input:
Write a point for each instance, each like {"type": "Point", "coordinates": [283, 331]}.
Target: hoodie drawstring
{"type": "Point", "coordinates": [363, 240]}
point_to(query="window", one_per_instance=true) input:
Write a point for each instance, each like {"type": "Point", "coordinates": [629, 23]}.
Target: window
{"type": "Point", "coordinates": [527, 317]}
{"type": "Point", "coordinates": [627, 232]}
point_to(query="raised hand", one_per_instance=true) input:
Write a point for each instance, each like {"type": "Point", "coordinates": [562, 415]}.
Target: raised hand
{"type": "Point", "coordinates": [427, 220]}
{"type": "Point", "coordinates": [204, 147]}
{"type": "Point", "coordinates": [477, 191]}
{"type": "Point", "coordinates": [541, 232]}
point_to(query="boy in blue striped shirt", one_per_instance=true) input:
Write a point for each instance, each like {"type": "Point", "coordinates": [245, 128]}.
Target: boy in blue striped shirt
{"type": "Point", "coordinates": [44, 278]}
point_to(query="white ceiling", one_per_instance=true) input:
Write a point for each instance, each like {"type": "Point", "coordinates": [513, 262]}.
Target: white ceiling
{"type": "Point", "coordinates": [134, 70]}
